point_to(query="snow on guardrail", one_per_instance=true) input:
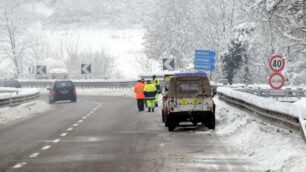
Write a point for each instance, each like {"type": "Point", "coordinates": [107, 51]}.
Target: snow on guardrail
{"type": "Point", "coordinates": [19, 96]}
{"type": "Point", "coordinates": [292, 109]}
{"type": "Point", "coordinates": [286, 114]}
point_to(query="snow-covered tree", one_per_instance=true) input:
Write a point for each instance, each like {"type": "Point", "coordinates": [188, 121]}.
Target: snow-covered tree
{"type": "Point", "coordinates": [13, 42]}
{"type": "Point", "coordinates": [170, 33]}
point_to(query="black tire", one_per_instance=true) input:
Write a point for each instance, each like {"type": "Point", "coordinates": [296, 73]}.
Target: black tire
{"type": "Point", "coordinates": [166, 121]}
{"type": "Point", "coordinates": [163, 116]}
{"type": "Point", "coordinates": [171, 125]}
{"type": "Point", "coordinates": [211, 121]}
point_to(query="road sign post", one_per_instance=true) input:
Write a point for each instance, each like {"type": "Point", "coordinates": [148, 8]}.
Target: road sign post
{"type": "Point", "coordinates": [204, 60]}
{"type": "Point", "coordinates": [41, 70]}
{"type": "Point", "coordinates": [277, 64]}
{"type": "Point", "coordinates": [168, 64]}
{"type": "Point", "coordinates": [86, 70]}
{"type": "Point", "coordinates": [277, 81]}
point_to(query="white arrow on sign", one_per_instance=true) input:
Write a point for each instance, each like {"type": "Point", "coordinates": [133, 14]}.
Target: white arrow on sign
{"type": "Point", "coordinates": [86, 68]}
{"type": "Point", "coordinates": [41, 70]}
{"type": "Point", "coordinates": [168, 64]}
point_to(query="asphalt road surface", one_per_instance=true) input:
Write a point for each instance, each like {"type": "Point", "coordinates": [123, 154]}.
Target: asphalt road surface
{"type": "Point", "coordinates": [107, 134]}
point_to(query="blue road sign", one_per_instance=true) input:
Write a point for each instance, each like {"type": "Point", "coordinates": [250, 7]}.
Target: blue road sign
{"type": "Point", "coordinates": [205, 53]}
{"type": "Point", "coordinates": [204, 64]}
{"type": "Point", "coordinates": [204, 60]}
{"type": "Point", "coordinates": [209, 68]}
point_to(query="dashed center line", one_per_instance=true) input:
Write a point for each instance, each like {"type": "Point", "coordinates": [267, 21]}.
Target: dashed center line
{"type": "Point", "coordinates": [19, 165]}
{"type": "Point", "coordinates": [46, 147]}
{"type": "Point", "coordinates": [64, 134]}
{"type": "Point", "coordinates": [56, 140]}
{"type": "Point", "coordinates": [34, 155]}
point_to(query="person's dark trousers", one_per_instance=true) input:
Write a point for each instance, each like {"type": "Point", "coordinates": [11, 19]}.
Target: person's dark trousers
{"type": "Point", "coordinates": [140, 104]}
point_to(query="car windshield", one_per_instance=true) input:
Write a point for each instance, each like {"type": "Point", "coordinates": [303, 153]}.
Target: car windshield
{"type": "Point", "coordinates": [63, 85]}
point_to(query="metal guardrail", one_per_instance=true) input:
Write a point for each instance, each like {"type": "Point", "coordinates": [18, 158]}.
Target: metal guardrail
{"type": "Point", "coordinates": [18, 99]}
{"type": "Point", "coordinates": [81, 84]}
{"type": "Point", "coordinates": [298, 93]}
{"type": "Point", "coordinates": [287, 121]}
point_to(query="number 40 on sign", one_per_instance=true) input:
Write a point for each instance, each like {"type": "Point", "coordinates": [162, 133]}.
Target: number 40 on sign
{"type": "Point", "coordinates": [277, 63]}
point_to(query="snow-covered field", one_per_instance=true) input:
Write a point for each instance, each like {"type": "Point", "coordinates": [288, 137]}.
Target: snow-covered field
{"type": "Point", "coordinates": [9, 114]}
{"type": "Point", "coordinates": [271, 147]}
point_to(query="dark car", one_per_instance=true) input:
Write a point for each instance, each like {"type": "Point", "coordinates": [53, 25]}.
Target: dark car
{"type": "Point", "coordinates": [62, 90]}
{"type": "Point", "coordinates": [188, 98]}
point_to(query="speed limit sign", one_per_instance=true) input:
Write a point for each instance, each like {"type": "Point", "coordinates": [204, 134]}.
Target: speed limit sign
{"type": "Point", "coordinates": [277, 63]}
{"type": "Point", "coordinates": [276, 81]}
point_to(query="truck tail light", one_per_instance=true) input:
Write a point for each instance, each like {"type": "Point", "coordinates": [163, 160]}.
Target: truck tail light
{"type": "Point", "coordinates": [211, 104]}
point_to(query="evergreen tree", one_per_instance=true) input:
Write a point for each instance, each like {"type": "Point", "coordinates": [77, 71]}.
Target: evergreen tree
{"type": "Point", "coordinates": [232, 61]}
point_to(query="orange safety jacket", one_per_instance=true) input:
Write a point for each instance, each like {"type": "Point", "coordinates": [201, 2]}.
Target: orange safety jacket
{"type": "Point", "coordinates": [138, 89]}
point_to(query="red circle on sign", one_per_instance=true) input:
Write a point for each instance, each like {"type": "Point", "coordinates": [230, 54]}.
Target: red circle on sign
{"type": "Point", "coordinates": [275, 58]}
{"type": "Point", "coordinates": [277, 87]}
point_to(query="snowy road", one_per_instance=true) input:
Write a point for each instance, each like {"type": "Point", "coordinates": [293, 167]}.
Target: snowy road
{"type": "Point", "coordinates": [85, 136]}
{"type": "Point", "coordinates": [107, 134]}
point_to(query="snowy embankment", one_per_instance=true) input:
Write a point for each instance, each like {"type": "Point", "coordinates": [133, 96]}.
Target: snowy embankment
{"type": "Point", "coordinates": [6, 91]}
{"type": "Point", "coordinates": [9, 114]}
{"type": "Point", "coordinates": [271, 147]}
{"type": "Point", "coordinates": [296, 109]}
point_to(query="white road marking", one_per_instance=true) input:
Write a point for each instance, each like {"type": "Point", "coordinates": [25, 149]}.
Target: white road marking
{"type": "Point", "coordinates": [80, 121]}
{"type": "Point", "coordinates": [69, 129]}
{"type": "Point", "coordinates": [46, 147]}
{"type": "Point", "coordinates": [64, 134]}
{"type": "Point", "coordinates": [19, 165]}
{"type": "Point", "coordinates": [34, 155]}
{"type": "Point", "coordinates": [56, 140]}
{"type": "Point", "coordinates": [84, 117]}
{"type": "Point", "coordinates": [75, 125]}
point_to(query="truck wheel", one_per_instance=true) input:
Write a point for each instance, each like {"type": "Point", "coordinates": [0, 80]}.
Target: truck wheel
{"type": "Point", "coordinates": [171, 125]}
{"type": "Point", "coordinates": [163, 115]}
{"type": "Point", "coordinates": [211, 121]}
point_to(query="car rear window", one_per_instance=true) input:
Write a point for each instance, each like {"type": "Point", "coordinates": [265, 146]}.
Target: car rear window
{"type": "Point", "coordinates": [64, 84]}
{"type": "Point", "coordinates": [189, 88]}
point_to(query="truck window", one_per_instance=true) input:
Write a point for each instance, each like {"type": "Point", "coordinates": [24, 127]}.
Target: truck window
{"type": "Point", "coordinates": [189, 88]}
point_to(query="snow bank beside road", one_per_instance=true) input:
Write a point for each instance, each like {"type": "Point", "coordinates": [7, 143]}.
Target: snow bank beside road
{"type": "Point", "coordinates": [271, 147]}
{"type": "Point", "coordinates": [9, 114]}
{"type": "Point", "coordinates": [295, 110]}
